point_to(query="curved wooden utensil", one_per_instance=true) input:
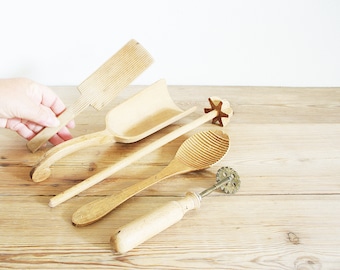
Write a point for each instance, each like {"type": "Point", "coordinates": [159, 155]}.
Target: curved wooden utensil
{"type": "Point", "coordinates": [130, 121]}
{"type": "Point", "coordinates": [196, 153]}
{"type": "Point", "coordinates": [101, 87]}
{"type": "Point", "coordinates": [220, 112]}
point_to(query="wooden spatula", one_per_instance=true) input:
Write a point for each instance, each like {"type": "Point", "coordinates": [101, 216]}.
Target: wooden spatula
{"type": "Point", "coordinates": [101, 87]}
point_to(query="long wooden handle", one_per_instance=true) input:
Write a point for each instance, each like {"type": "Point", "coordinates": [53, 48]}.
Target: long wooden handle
{"type": "Point", "coordinates": [42, 170]}
{"type": "Point", "coordinates": [143, 228]}
{"type": "Point", "coordinates": [95, 210]}
{"type": "Point", "coordinates": [95, 179]}
{"type": "Point", "coordinates": [68, 115]}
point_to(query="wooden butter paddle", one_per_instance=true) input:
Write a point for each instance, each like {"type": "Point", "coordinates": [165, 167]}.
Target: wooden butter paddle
{"type": "Point", "coordinates": [101, 87]}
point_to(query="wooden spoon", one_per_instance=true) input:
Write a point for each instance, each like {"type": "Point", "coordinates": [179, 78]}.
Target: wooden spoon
{"type": "Point", "coordinates": [198, 152]}
{"type": "Point", "coordinates": [130, 121]}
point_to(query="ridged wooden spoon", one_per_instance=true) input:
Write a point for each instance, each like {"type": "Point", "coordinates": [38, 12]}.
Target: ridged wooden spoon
{"type": "Point", "coordinates": [197, 153]}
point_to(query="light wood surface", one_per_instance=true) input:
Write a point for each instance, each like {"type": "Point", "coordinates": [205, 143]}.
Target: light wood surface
{"type": "Point", "coordinates": [284, 144]}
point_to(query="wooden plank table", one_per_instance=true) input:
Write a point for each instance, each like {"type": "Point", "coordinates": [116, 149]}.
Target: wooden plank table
{"type": "Point", "coordinates": [285, 145]}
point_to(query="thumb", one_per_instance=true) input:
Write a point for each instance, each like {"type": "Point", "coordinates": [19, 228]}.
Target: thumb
{"type": "Point", "coordinates": [39, 114]}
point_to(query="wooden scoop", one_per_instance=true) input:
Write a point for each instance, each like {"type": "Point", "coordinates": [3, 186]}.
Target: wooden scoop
{"type": "Point", "coordinates": [220, 113]}
{"type": "Point", "coordinates": [130, 121]}
{"type": "Point", "coordinates": [101, 87]}
{"type": "Point", "coordinates": [197, 153]}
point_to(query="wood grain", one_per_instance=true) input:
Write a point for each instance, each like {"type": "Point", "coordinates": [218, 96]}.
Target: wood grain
{"type": "Point", "coordinates": [284, 144]}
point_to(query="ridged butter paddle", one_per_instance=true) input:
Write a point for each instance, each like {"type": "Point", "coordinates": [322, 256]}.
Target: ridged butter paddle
{"type": "Point", "coordinates": [101, 87]}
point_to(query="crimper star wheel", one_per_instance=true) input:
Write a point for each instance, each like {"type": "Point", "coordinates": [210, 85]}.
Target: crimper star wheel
{"type": "Point", "coordinates": [233, 184]}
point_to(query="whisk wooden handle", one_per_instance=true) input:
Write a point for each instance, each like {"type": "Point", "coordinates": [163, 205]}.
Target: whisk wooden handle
{"type": "Point", "coordinates": [136, 232]}
{"type": "Point", "coordinates": [42, 170]}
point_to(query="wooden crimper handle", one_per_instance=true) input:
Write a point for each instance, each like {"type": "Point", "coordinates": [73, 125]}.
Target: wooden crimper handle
{"type": "Point", "coordinates": [143, 228]}
{"type": "Point", "coordinates": [42, 170]}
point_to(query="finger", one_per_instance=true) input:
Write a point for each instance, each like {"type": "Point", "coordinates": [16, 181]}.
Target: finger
{"type": "Point", "coordinates": [20, 128]}
{"type": "Point", "coordinates": [3, 122]}
{"type": "Point", "coordinates": [50, 99]}
{"type": "Point", "coordinates": [55, 140]}
{"type": "Point", "coordinates": [33, 126]}
{"type": "Point", "coordinates": [36, 113]}
{"type": "Point", "coordinates": [71, 124]}
{"type": "Point", "coordinates": [36, 128]}
{"type": "Point", "coordinates": [63, 135]}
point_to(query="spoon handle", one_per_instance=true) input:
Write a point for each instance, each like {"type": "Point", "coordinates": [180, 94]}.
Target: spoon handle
{"type": "Point", "coordinates": [42, 170]}
{"type": "Point", "coordinates": [95, 210]}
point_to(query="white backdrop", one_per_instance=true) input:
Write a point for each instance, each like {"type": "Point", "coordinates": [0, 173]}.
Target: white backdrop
{"type": "Point", "coordinates": [194, 42]}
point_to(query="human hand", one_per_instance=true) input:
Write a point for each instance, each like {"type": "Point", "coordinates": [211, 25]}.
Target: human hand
{"type": "Point", "coordinates": [26, 107]}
